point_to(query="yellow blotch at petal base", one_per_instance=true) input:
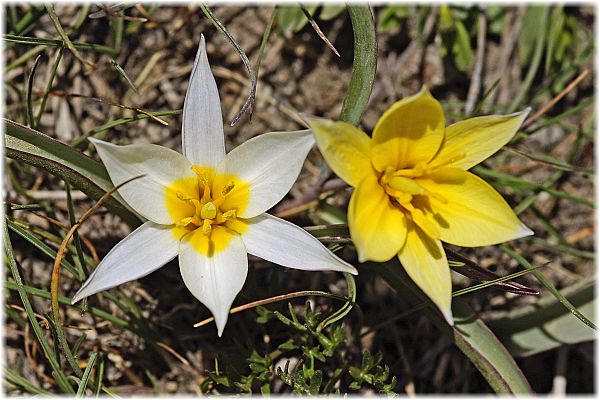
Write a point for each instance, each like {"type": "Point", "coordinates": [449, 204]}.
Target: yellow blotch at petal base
{"type": "Point", "coordinates": [206, 207]}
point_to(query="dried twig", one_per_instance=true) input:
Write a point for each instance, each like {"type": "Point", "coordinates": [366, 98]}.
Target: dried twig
{"type": "Point", "coordinates": [110, 103]}
{"type": "Point", "coordinates": [557, 98]}
{"type": "Point", "coordinates": [274, 299]}
{"type": "Point", "coordinates": [318, 30]}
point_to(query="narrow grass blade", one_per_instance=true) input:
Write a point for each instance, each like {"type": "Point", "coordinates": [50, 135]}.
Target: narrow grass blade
{"type": "Point", "coordinates": [249, 104]}
{"type": "Point", "coordinates": [122, 72]}
{"type": "Point", "coordinates": [30, 120]}
{"type": "Point", "coordinates": [59, 54]}
{"type": "Point", "coordinates": [37, 243]}
{"type": "Point", "coordinates": [546, 282]}
{"type": "Point", "coordinates": [472, 270]}
{"type": "Point", "coordinates": [85, 378]}
{"type": "Point", "coordinates": [99, 48]}
{"type": "Point", "coordinates": [60, 377]}
{"type": "Point", "coordinates": [15, 378]}
{"type": "Point", "coordinates": [82, 267]}
{"type": "Point", "coordinates": [345, 309]}
{"type": "Point", "coordinates": [63, 35]}
{"type": "Point", "coordinates": [122, 121]}
{"type": "Point", "coordinates": [535, 60]}
{"type": "Point", "coordinates": [510, 180]}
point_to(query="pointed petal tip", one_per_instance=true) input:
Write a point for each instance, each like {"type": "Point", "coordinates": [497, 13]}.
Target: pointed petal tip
{"type": "Point", "coordinates": [94, 140]}
{"type": "Point", "coordinates": [448, 317]}
{"type": "Point", "coordinates": [221, 325]}
{"type": "Point", "coordinates": [78, 296]}
{"type": "Point", "coordinates": [525, 231]}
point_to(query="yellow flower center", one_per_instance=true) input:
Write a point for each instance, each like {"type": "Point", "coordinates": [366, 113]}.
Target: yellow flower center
{"type": "Point", "coordinates": [407, 194]}
{"type": "Point", "coordinates": [206, 208]}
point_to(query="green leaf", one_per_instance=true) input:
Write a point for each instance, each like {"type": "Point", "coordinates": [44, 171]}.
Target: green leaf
{"type": "Point", "coordinates": [533, 23]}
{"type": "Point", "coordinates": [555, 31]}
{"type": "Point", "coordinates": [364, 64]}
{"type": "Point", "coordinates": [84, 173]}
{"type": "Point", "coordinates": [330, 11]}
{"type": "Point", "coordinates": [486, 352]}
{"type": "Point", "coordinates": [391, 16]}
{"type": "Point", "coordinates": [547, 324]}
{"type": "Point", "coordinates": [287, 17]}
{"type": "Point", "coordinates": [469, 332]}
{"type": "Point", "coordinates": [462, 47]}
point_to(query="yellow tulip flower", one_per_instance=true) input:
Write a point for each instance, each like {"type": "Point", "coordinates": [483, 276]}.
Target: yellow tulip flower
{"type": "Point", "coordinates": [413, 190]}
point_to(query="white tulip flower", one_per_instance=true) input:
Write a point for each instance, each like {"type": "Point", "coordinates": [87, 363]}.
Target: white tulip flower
{"type": "Point", "coordinates": [208, 207]}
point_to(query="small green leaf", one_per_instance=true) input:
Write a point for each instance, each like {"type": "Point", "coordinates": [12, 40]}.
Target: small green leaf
{"type": "Point", "coordinates": [462, 47]}
{"type": "Point", "coordinates": [330, 11]}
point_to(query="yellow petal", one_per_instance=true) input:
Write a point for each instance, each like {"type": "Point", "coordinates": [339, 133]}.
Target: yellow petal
{"type": "Point", "coordinates": [424, 260]}
{"type": "Point", "coordinates": [469, 142]}
{"type": "Point", "coordinates": [469, 212]}
{"type": "Point", "coordinates": [410, 131]}
{"type": "Point", "coordinates": [345, 148]}
{"type": "Point", "coordinates": [377, 227]}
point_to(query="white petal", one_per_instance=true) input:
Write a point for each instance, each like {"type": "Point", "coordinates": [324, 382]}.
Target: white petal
{"type": "Point", "coordinates": [160, 167]}
{"type": "Point", "coordinates": [270, 163]}
{"type": "Point", "coordinates": [145, 250]}
{"type": "Point", "coordinates": [202, 137]}
{"type": "Point", "coordinates": [215, 280]}
{"type": "Point", "coordinates": [284, 243]}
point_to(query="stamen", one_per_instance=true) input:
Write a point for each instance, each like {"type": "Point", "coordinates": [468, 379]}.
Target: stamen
{"type": "Point", "coordinates": [195, 202]}
{"type": "Point", "coordinates": [405, 185]}
{"type": "Point", "coordinates": [206, 227]}
{"type": "Point", "coordinates": [400, 196]}
{"type": "Point", "coordinates": [181, 196]}
{"type": "Point", "coordinates": [204, 181]}
{"type": "Point", "coordinates": [208, 211]}
{"type": "Point", "coordinates": [228, 188]}
{"type": "Point", "coordinates": [184, 222]}
{"type": "Point", "coordinates": [202, 178]}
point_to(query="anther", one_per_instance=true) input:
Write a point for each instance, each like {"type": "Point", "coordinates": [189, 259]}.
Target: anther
{"type": "Point", "coordinates": [405, 185]}
{"type": "Point", "coordinates": [228, 188]}
{"type": "Point", "coordinates": [184, 222]}
{"type": "Point", "coordinates": [206, 227]}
